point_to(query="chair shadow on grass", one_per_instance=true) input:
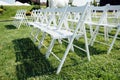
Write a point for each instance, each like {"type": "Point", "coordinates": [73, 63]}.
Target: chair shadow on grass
{"type": "Point", "coordinates": [10, 27]}
{"type": "Point", "coordinates": [30, 61]}
{"type": "Point", "coordinates": [92, 50]}
{"type": "Point", "coordinates": [82, 54]}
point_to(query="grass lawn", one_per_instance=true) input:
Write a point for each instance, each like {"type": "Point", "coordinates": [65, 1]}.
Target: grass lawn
{"type": "Point", "coordinates": [20, 59]}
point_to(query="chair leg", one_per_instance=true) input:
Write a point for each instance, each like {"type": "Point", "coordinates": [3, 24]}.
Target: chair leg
{"type": "Point", "coordinates": [26, 21]}
{"type": "Point", "coordinates": [33, 31]}
{"type": "Point", "coordinates": [13, 22]}
{"type": "Point", "coordinates": [36, 36]}
{"type": "Point", "coordinates": [65, 55]}
{"type": "Point", "coordinates": [106, 33]}
{"type": "Point", "coordinates": [111, 45]}
{"type": "Point", "coordinates": [41, 41]}
{"type": "Point", "coordinates": [60, 41]}
{"type": "Point", "coordinates": [91, 30]}
{"type": "Point", "coordinates": [86, 45]}
{"type": "Point", "coordinates": [16, 22]}
{"type": "Point", "coordinates": [19, 24]}
{"type": "Point", "coordinates": [94, 36]}
{"type": "Point", "coordinates": [72, 48]}
{"type": "Point", "coordinates": [50, 48]}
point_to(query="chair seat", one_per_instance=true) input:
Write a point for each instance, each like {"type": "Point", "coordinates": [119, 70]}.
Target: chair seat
{"type": "Point", "coordinates": [18, 18]}
{"type": "Point", "coordinates": [91, 23]}
{"type": "Point", "coordinates": [40, 25]}
{"type": "Point", "coordinates": [59, 34]}
{"type": "Point", "coordinates": [101, 24]}
{"type": "Point", "coordinates": [52, 30]}
{"type": "Point", "coordinates": [36, 24]}
{"type": "Point", "coordinates": [108, 25]}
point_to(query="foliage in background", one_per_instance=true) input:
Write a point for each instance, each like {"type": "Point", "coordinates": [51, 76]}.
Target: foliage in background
{"type": "Point", "coordinates": [94, 3]}
{"type": "Point", "coordinates": [1, 9]}
{"type": "Point", "coordinates": [10, 11]}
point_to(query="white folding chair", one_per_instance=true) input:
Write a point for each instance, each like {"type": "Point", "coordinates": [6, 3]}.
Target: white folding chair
{"type": "Point", "coordinates": [53, 22]}
{"type": "Point", "coordinates": [20, 18]}
{"type": "Point", "coordinates": [112, 19]}
{"type": "Point", "coordinates": [95, 22]}
{"type": "Point", "coordinates": [96, 19]}
{"type": "Point", "coordinates": [112, 24]}
{"type": "Point", "coordinates": [35, 17]}
{"type": "Point", "coordinates": [43, 19]}
{"type": "Point", "coordinates": [107, 24]}
{"type": "Point", "coordinates": [63, 30]}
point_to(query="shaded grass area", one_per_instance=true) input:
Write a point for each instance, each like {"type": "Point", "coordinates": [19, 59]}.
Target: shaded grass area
{"type": "Point", "coordinates": [31, 62]}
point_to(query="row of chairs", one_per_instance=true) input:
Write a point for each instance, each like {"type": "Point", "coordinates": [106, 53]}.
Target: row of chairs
{"type": "Point", "coordinates": [20, 18]}
{"type": "Point", "coordinates": [62, 24]}
{"type": "Point", "coordinates": [108, 19]}
{"type": "Point", "coordinates": [68, 24]}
